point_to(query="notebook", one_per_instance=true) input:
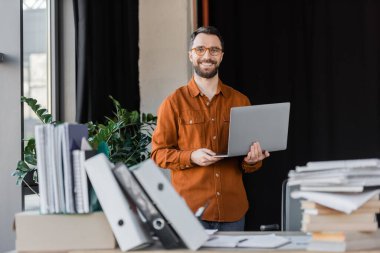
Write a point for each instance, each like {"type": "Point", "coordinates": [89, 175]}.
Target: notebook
{"type": "Point", "coordinates": [266, 124]}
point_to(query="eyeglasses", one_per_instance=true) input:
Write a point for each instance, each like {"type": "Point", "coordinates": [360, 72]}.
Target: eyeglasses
{"type": "Point", "coordinates": [200, 51]}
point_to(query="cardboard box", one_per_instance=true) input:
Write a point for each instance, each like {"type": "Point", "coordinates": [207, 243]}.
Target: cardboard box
{"type": "Point", "coordinates": [60, 232]}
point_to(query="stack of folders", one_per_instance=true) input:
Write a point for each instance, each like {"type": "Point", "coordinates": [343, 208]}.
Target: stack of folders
{"type": "Point", "coordinates": [136, 199]}
{"type": "Point", "coordinates": [341, 203]}
{"type": "Point", "coordinates": [62, 178]}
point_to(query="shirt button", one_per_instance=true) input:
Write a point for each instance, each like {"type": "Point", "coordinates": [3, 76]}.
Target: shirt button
{"type": "Point", "coordinates": [218, 193]}
{"type": "Point", "coordinates": [217, 175]}
{"type": "Point", "coordinates": [212, 119]}
{"type": "Point", "coordinates": [208, 103]}
{"type": "Point", "coordinates": [191, 122]}
{"type": "Point", "coordinates": [214, 137]}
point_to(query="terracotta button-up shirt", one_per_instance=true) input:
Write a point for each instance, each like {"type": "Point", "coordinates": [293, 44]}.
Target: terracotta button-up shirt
{"type": "Point", "coordinates": [187, 121]}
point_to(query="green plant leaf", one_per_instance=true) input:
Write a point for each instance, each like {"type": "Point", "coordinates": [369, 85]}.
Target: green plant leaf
{"type": "Point", "coordinates": [41, 113]}
{"type": "Point", "coordinates": [21, 171]}
{"type": "Point", "coordinates": [135, 117]}
{"type": "Point", "coordinates": [30, 152]}
{"type": "Point", "coordinates": [20, 178]}
{"type": "Point", "coordinates": [31, 159]}
{"type": "Point", "coordinates": [150, 117]}
{"type": "Point", "coordinates": [103, 148]}
{"type": "Point", "coordinates": [30, 146]}
{"type": "Point", "coordinates": [47, 118]}
{"type": "Point", "coordinates": [22, 166]}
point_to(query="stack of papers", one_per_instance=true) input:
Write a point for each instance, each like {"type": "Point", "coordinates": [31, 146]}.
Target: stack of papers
{"type": "Point", "coordinates": [337, 176]}
{"type": "Point", "coordinates": [346, 203]}
{"type": "Point", "coordinates": [341, 201]}
{"type": "Point", "coordinates": [246, 241]}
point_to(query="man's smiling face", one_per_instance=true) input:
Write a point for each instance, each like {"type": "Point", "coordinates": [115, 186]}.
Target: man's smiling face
{"type": "Point", "coordinates": [206, 65]}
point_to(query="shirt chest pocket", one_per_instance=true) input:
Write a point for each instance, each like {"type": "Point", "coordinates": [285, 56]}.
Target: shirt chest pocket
{"type": "Point", "coordinates": [191, 132]}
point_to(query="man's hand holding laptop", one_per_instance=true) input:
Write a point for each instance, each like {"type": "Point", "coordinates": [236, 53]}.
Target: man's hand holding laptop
{"type": "Point", "coordinates": [255, 154]}
{"type": "Point", "coordinates": [206, 157]}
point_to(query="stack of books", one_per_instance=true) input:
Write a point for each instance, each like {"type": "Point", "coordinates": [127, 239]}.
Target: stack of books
{"type": "Point", "coordinates": [62, 179]}
{"type": "Point", "coordinates": [341, 203]}
{"type": "Point", "coordinates": [320, 218]}
{"type": "Point", "coordinates": [344, 241]}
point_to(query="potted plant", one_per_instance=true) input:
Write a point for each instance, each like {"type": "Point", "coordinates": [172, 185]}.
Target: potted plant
{"type": "Point", "coordinates": [124, 138]}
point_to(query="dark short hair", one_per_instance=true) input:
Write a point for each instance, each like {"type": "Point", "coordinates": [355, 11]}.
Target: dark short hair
{"type": "Point", "coordinates": [207, 30]}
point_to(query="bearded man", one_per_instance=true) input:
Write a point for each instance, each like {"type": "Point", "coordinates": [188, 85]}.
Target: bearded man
{"type": "Point", "coordinates": [192, 126]}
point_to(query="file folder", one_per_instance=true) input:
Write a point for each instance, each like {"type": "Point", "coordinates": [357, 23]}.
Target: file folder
{"type": "Point", "coordinates": [128, 229]}
{"type": "Point", "coordinates": [157, 223]}
{"type": "Point", "coordinates": [70, 136]}
{"type": "Point", "coordinates": [170, 204]}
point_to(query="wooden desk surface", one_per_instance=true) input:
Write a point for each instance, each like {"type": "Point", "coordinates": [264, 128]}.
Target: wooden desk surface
{"type": "Point", "coordinates": [222, 250]}
{"type": "Point", "coordinates": [159, 249]}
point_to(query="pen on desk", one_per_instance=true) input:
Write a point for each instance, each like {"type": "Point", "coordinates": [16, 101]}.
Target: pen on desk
{"type": "Point", "coordinates": [212, 238]}
{"type": "Point", "coordinates": [201, 210]}
{"type": "Point", "coordinates": [242, 240]}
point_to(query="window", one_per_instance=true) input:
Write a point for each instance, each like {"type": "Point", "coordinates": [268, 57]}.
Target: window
{"type": "Point", "coordinates": [35, 56]}
{"type": "Point", "coordinates": [39, 66]}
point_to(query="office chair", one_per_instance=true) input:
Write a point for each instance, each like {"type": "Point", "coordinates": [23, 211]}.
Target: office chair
{"type": "Point", "coordinates": [291, 213]}
{"type": "Point", "coordinates": [284, 202]}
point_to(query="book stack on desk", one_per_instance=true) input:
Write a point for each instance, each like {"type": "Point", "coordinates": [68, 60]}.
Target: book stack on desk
{"type": "Point", "coordinates": [62, 178]}
{"type": "Point", "coordinates": [341, 203]}
{"type": "Point", "coordinates": [320, 218]}
{"type": "Point", "coordinates": [344, 241]}
{"type": "Point", "coordinates": [64, 194]}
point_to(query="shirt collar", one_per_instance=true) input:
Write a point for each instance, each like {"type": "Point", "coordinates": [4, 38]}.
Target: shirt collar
{"type": "Point", "coordinates": [194, 89]}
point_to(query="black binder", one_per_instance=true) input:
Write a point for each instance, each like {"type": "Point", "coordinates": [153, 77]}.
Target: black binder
{"type": "Point", "coordinates": [155, 220]}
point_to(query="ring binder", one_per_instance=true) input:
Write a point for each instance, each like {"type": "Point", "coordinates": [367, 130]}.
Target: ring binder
{"type": "Point", "coordinates": [159, 226]}
{"type": "Point", "coordinates": [170, 204]}
{"type": "Point", "coordinates": [124, 221]}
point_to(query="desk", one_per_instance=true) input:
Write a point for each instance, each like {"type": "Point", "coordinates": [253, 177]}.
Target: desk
{"type": "Point", "coordinates": [229, 250]}
{"type": "Point", "coordinates": [158, 249]}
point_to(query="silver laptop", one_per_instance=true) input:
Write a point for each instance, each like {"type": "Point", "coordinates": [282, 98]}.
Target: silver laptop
{"type": "Point", "coordinates": [267, 124]}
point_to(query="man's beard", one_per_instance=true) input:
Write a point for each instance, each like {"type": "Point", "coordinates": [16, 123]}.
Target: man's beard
{"type": "Point", "coordinates": [204, 74]}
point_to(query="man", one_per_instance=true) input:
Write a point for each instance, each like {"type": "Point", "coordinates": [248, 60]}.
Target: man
{"type": "Point", "coordinates": [193, 125]}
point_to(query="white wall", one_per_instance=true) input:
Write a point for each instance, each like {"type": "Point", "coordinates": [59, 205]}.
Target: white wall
{"type": "Point", "coordinates": [10, 116]}
{"type": "Point", "coordinates": [165, 27]}
{"type": "Point", "coordinates": [67, 35]}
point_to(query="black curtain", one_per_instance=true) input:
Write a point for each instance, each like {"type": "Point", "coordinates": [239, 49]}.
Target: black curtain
{"type": "Point", "coordinates": [106, 57]}
{"type": "Point", "coordinates": [323, 57]}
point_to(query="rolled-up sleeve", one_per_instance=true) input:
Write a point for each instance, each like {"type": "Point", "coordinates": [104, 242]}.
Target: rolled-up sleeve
{"type": "Point", "coordinates": [165, 150]}
{"type": "Point", "coordinates": [249, 168]}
